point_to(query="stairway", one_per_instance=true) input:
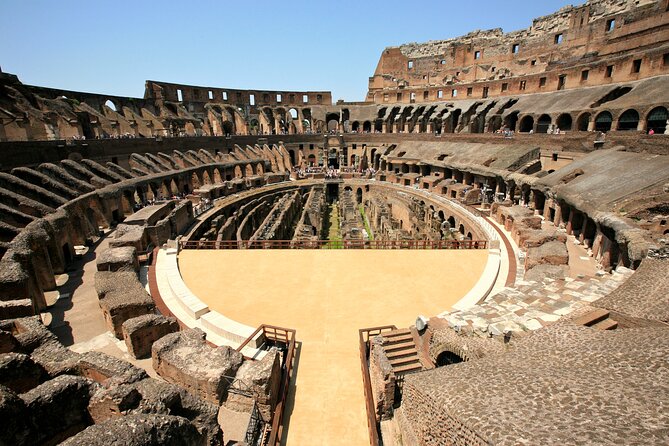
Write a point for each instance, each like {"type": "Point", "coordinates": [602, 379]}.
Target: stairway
{"type": "Point", "coordinates": [401, 351]}
{"type": "Point", "coordinates": [599, 319]}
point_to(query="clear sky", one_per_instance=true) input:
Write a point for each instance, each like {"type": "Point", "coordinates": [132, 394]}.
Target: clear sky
{"type": "Point", "coordinates": [112, 47]}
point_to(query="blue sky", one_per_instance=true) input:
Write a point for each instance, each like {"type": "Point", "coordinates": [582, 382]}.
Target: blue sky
{"type": "Point", "coordinates": [112, 47]}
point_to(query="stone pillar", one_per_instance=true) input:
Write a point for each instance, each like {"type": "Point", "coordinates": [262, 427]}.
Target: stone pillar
{"type": "Point", "coordinates": [581, 237]}
{"type": "Point", "coordinates": [591, 124]}
{"type": "Point", "coordinates": [558, 215]}
{"type": "Point", "coordinates": [597, 242]}
{"type": "Point", "coordinates": [406, 127]}
{"type": "Point", "coordinates": [384, 128]}
{"type": "Point", "coordinates": [430, 128]}
{"type": "Point", "coordinates": [570, 221]}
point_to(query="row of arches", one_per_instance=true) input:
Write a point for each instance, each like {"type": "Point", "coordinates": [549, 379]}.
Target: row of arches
{"type": "Point", "coordinates": [604, 121]}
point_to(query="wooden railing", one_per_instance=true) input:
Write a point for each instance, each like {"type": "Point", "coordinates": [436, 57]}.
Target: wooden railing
{"type": "Point", "coordinates": [365, 334]}
{"type": "Point", "coordinates": [334, 244]}
{"type": "Point", "coordinates": [287, 337]}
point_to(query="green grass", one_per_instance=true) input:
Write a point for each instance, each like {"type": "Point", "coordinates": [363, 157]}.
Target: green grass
{"type": "Point", "coordinates": [364, 219]}
{"type": "Point", "coordinates": [334, 235]}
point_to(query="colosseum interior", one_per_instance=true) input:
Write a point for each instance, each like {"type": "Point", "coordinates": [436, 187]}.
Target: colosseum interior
{"type": "Point", "coordinates": [477, 254]}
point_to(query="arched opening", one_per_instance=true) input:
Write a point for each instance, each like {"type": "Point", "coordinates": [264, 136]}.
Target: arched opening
{"type": "Point", "coordinates": [526, 124]}
{"type": "Point", "coordinates": [378, 125]}
{"type": "Point", "coordinates": [293, 113]}
{"type": "Point", "coordinates": [248, 170]}
{"type": "Point", "coordinates": [448, 358]}
{"type": "Point", "coordinates": [333, 125]}
{"type": "Point", "coordinates": [311, 159]}
{"type": "Point", "coordinates": [511, 121]}
{"type": "Point", "coordinates": [564, 122]}
{"type": "Point", "coordinates": [543, 124]}
{"type": "Point", "coordinates": [259, 169]}
{"type": "Point", "coordinates": [367, 127]}
{"type": "Point", "coordinates": [67, 254]}
{"type": "Point", "coordinates": [603, 122]}
{"type": "Point", "coordinates": [583, 122]}
{"type": "Point", "coordinates": [495, 123]}
{"type": "Point", "coordinates": [355, 126]}
{"type": "Point", "coordinates": [291, 154]}
{"type": "Point", "coordinates": [238, 172]}
{"type": "Point", "coordinates": [352, 163]}
{"type": "Point", "coordinates": [469, 235]}
{"type": "Point", "coordinates": [451, 222]}
{"type": "Point", "coordinates": [657, 120]}
{"type": "Point", "coordinates": [462, 229]}
{"type": "Point", "coordinates": [359, 195]}
{"type": "Point", "coordinates": [629, 120]}
{"type": "Point", "coordinates": [228, 128]}
{"type": "Point", "coordinates": [110, 105]}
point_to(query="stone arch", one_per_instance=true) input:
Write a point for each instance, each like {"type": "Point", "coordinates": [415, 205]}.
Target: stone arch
{"type": "Point", "coordinates": [461, 229]}
{"type": "Point", "coordinates": [603, 121]}
{"type": "Point", "coordinates": [248, 170]}
{"type": "Point", "coordinates": [657, 120]}
{"type": "Point", "coordinates": [511, 121]}
{"type": "Point", "coordinates": [494, 123]}
{"type": "Point", "coordinates": [238, 171]}
{"type": "Point", "coordinates": [127, 202]}
{"type": "Point", "coordinates": [544, 123]}
{"type": "Point", "coordinates": [628, 120]}
{"type": "Point", "coordinates": [358, 195]}
{"type": "Point", "coordinates": [111, 105]}
{"type": "Point", "coordinates": [583, 122]}
{"type": "Point", "coordinates": [260, 169]}
{"type": "Point", "coordinates": [228, 127]}
{"type": "Point", "coordinates": [355, 126]}
{"type": "Point", "coordinates": [452, 222]}
{"type": "Point", "coordinates": [526, 124]}
{"type": "Point", "coordinates": [564, 122]}
{"type": "Point", "coordinates": [447, 357]}
{"type": "Point", "coordinates": [367, 126]}
{"type": "Point", "coordinates": [217, 176]}
{"type": "Point", "coordinates": [206, 179]}
{"type": "Point", "coordinates": [195, 181]}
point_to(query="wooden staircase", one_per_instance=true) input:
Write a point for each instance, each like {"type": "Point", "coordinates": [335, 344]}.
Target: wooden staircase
{"type": "Point", "coordinates": [401, 350]}
{"type": "Point", "coordinates": [599, 319]}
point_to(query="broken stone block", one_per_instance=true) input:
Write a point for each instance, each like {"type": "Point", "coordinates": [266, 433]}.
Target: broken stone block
{"type": "Point", "coordinates": [16, 427]}
{"type": "Point", "coordinates": [122, 297]}
{"type": "Point", "coordinates": [185, 358]}
{"type": "Point", "coordinates": [59, 407]}
{"type": "Point", "coordinates": [101, 367]}
{"type": "Point", "coordinates": [142, 331]}
{"type": "Point", "coordinates": [552, 253]}
{"type": "Point", "coordinates": [8, 342]}
{"type": "Point", "coordinates": [118, 259]}
{"type": "Point", "coordinates": [19, 373]}
{"type": "Point", "coordinates": [262, 380]}
{"type": "Point", "coordinates": [11, 309]}
{"type": "Point", "coordinates": [140, 430]}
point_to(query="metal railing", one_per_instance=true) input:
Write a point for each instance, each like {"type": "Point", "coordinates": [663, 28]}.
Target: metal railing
{"type": "Point", "coordinates": [284, 336]}
{"type": "Point", "coordinates": [333, 244]}
{"type": "Point", "coordinates": [365, 334]}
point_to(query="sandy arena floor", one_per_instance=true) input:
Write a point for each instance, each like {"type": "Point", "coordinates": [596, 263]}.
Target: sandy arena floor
{"type": "Point", "coordinates": [327, 295]}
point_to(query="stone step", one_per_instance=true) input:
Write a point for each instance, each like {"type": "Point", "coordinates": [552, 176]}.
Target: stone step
{"type": "Point", "coordinates": [399, 346]}
{"type": "Point", "coordinates": [592, 318]}
{"type": "Point", "coordinates": [407, 368]}
{"type": "Point", "coordinates": [404, 360]}
{"type": "Point", "coordinates": [606, 324]}
{"type": "Point", "coordinates": [402, 353]}
{"type": "Point", "coordinates": [395, 338]}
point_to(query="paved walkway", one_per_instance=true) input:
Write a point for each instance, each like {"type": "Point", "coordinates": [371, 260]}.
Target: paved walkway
{"type": "Point", "coordinates": [76, 317]}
